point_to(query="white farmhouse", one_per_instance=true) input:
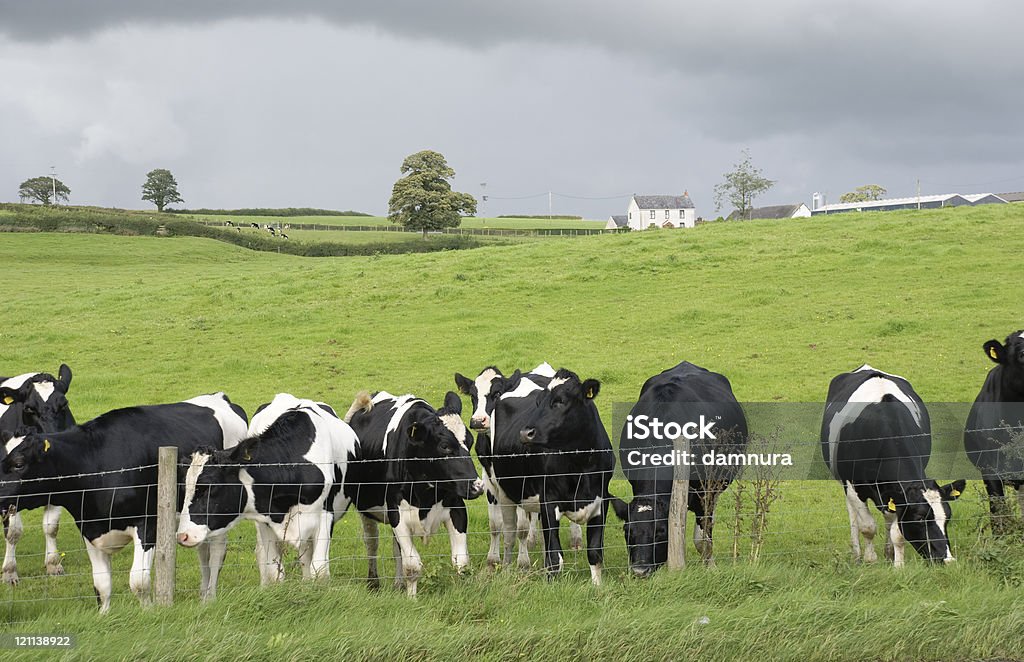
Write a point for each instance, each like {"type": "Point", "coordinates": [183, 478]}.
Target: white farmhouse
{"type": "Point", "coordinates": [661, 211]}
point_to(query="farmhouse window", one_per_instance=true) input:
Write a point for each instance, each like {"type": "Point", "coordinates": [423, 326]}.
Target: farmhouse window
{"type": "Point", "coordinates": [652, 213]}
{"type": "Point", "coordinates": [666, 214]}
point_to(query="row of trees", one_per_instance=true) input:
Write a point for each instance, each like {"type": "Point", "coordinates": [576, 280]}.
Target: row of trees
{"type": "Point", "coordinates": [160, 188]}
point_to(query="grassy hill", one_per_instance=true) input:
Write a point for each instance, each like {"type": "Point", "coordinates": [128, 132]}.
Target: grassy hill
{"type": "Point", "coordinates": [778, 306]}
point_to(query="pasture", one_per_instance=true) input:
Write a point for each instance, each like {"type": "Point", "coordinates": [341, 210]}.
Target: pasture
{"type": "Point", "coordinates": [778, 306]}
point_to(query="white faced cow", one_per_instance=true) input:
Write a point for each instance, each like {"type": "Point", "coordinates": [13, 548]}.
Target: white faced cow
{"type": "Point", "coordinates": [996, 420]}
{"type": "Point", "coordinates": [414, 474]}
{"type": "Point", "coordinates": [104, 473]}
{"type": "Point", "coordinates": [34, 402]}
{"type": "Point", "coordinates": [876, 440]}
{"type": "Point", "coordinates": [287, 476]}
{"type": "Point", "coordinates": [484, 392]}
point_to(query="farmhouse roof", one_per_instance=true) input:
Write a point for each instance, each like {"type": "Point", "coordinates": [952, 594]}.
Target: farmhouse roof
{"type": "Point", "coordinates": [620, 221]}
{"type": "Point", "coordinates": [664, 201]}
{"type": "Point", "coordinates": [772, 211]}
{"type": "Point", "coordinates": [1012, 197]}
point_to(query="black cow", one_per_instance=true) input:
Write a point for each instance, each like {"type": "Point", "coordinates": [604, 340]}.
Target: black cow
{"type": "Point", "coordinates": [34, 402]}
{"type": "Point", "coordinates": [484, 392]}
{"type": "Point", "coordinates": [293, 463]}
{"type": "Point", "coordinates": [876, 440]}
{"type": "Point", "coordinates": [995, 425]}
{"type": "Point", "coordinates": [104, 473]}
{"type": "Point", "coordinates": [551, 454]}
{"type": "Point", "coordinates": [701, 403]}
{"type": "Point", "coordinates": [413, 474]}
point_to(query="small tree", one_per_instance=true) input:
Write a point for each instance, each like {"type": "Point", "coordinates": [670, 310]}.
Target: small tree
{"type": "Point", "coordinates": [865, 193]}
{"type": "Point", "coordinates": [160, 188]}
{"type": "Point", "coordinates": [741, 186]}
{"type": "Point", "coordinates": [43, 189]}
{"type": "Point", "coordinates": [423, 199]}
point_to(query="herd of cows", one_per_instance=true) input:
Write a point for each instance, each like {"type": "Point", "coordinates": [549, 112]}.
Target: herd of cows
{"type": "Point", "coordinates": [297, 466]}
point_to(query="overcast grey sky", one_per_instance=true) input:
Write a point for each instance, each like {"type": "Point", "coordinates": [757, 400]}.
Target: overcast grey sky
{"type": "Point", "coordinates": [253, 103]}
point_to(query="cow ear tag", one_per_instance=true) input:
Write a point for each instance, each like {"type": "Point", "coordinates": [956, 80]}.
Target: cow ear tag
{"type": "Point", "coordinates": [892, 505]}
{"type": "Point", "coordinates": [992, 353]}
{"type": "Point", "coordinates": [954, 493]}
{"type": "Point", "coordinates": [412, 431]}
{"type": "Point", "coordinates": [8, 399]}
{"type": "Point", "coordinates": [590, 394]}
{"type": "Point", "coordinates": [46, 445]}
{"type": "Point", "coordinates": [247, 456]}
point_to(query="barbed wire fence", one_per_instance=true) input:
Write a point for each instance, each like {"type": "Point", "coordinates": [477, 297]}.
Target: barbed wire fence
{"type": "Point", "coordinates": [762, 518]}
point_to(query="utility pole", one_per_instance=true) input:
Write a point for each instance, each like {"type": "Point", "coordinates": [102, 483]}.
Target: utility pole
{"type": "Point", "coordinates": [53, 181]}
{"type": "Point", "coordinates": [483, 199]}
{"type": "Point", "coordinates": [549, 205]}
{"type": "Point", "coordinates": [919, 194]}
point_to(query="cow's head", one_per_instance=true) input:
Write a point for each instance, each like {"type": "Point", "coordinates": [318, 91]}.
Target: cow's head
{"type": "Point", "coordinates": [434, 456]}
{"type": "Point", "coordinates": [451, 415]}
{"type": "Point", "coordinates": [215, 492]}
{"type": "Point", "coordinates": [563, 408]}
{"type": "Point", "coordinates": [42, 400]}
{"type": "Point", "coordinates": [923, 515]}
{"type": "Point", "coordinates": [646, 529]}
{"type": "Point", "coordinates": [20, 454]}
{"type": "Point", "coordinates": [479, 392]}
{"type": "Point", "coordinates": [1010, 355]}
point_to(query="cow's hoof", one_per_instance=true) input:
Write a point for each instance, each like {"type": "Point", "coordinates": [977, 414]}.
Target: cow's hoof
{"type": "Point", "coordinates": [11, 577]}
{"type": "Point", "coordinates": [524, 563]}
{"type": "Point", "coordinates": [493, 563]}
{"type": "Point", "coordinates": [55, 570]}
{"type": "Point", "coordinates": [373, 583]}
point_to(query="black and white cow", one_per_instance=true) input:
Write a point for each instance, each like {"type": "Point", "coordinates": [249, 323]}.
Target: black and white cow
{"type": "Point", "coordinates": [701, 403]}
{"type": "Point", "coordinates": [484, 392]}
{"type": "Point", "coordinates": [876, 440]}
{"type": "Point", "coordinates": [286, 476]}
{"type": "Point", "coordinates": [413, 474]}
{"type": "Point", "coordinates": [34, 402]}
{"type": "Point", "coordinates": [996, 418]}
{"type": "Point", "coordinates": [104, 473]}
{"type": "Point", "coordinates": [550, 454]}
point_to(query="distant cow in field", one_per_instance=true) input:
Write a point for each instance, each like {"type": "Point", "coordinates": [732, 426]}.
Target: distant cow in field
{"type": "Point", "coordinates": [413, 474]}
{"type": "Point", "coordinates": [286, 476]}
{"type": "Point", "coordinates": [229, 224]}
{"type": "Point", "coordinates": [994, 434]}
{"type": "Point", "coordinates": [34, 402]}
{"type": "Point", "coordinates": [104, 473]}
{"type": "Point", "coordinates": [254, 226]}
{"type": "Point", "coordinates": [685, 395]}
{"type": "Point", "coordinates": [876, 440]}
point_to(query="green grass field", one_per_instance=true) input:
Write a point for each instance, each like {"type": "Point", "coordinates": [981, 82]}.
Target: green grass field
{"type": "Point", "coordinates": [778, 306]}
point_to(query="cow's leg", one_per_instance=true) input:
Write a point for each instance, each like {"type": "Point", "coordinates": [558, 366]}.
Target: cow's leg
{"type": "Point", "coordinates": [595, 543]}
{"type": "Point", "coordinates": [203, 552]}
{"type": "Point", "coordinates": [217, 549]}
{"type": "Point", "coordinates": [1020, 500]}
{"type": "Point", "coordinates": [896, 540]}
{"type": "Point", "coordinates": [412, 566]}
{"type": "Point", "coordinates": [11, 537]}
{"type": "Point", "coordinates": [396, 551]}
{"type": "Point", "coordinates": [702, 502]}
{"type": "Point", "coordinates": [101, 574]}
{"type": "Point", "coordinates": [996, 504]}
{"type": "Point", "coordinates": [862, 523]}
{"type": "Point", "coordinates": [320, 563]}
{"type": "Point", "coordinates": [371, 538]}
{"type": "Point", "coordinates": [575, 536]}
{"type": "Point", "coordinates": [458, 524]}
{"type": "Point", "coordinates": [552, 546]}
{"type": "Point", "coordinates": [51, 522]}
{"type": "Point", "coordinates": [527, 525]}
{"type": "Point", "coordinates": [268, 555]}
{"type": "Point", "coordinates": [509, 529]}
{"type": "Point", "coordinates": [494, 522]}
{"type": "Point", "coordinates": [138, 578]}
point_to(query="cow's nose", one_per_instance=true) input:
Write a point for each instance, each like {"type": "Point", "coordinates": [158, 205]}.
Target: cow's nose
{"type": "Point", "coordinates": [528, 434]}
{"type": "Point", "coordinates": [479, 422]}
{"type": "Point", "coordinates": [182, 538]}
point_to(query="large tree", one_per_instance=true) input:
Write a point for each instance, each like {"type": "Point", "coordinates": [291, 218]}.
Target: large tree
{"type": "Point", "coordinates": [741, 186]}
{"type": "Point", "coordinates": [45, 189]}
{"type": "Point", "coordinates": [865, 193]}
{"type": "Point", "coordinates": [160, 188]}
{"type": "Point", "coordinates": [423, 198]}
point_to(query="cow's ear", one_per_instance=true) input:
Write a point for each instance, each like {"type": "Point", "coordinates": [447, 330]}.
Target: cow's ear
{"type": "Point", "coordinates": [621, 508]}
{"type": "Point", "coordinates": [64, 376]}
{"type": "Point", "coordinates": [465, 384]}
{"type": "Point", "coordinates": [591, 388]}
{"type": "Point", "coordinates": [5, 436]}
{"type": "Point", "coordinates": [952, 491]}
{"type": "Point", "coordinates": [511, 382]}
{"type": "Point", "coordinates": [243, 451]}
{"type": "Point", "coordinates": [995, 351]}
{"type": "Point", "coordinates": [8, 395]}
{"type": "Point", "coordinates": [453, 403]}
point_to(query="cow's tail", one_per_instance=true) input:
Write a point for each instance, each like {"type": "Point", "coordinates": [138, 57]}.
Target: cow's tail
{"type": "Point", "coordinates": [362, 403]}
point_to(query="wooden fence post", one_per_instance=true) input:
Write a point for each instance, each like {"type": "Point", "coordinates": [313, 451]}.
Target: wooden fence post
{"type": "Point", "coordinates": [678, 504]}
{"type": "Point", "coordinates": [166, 524]}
